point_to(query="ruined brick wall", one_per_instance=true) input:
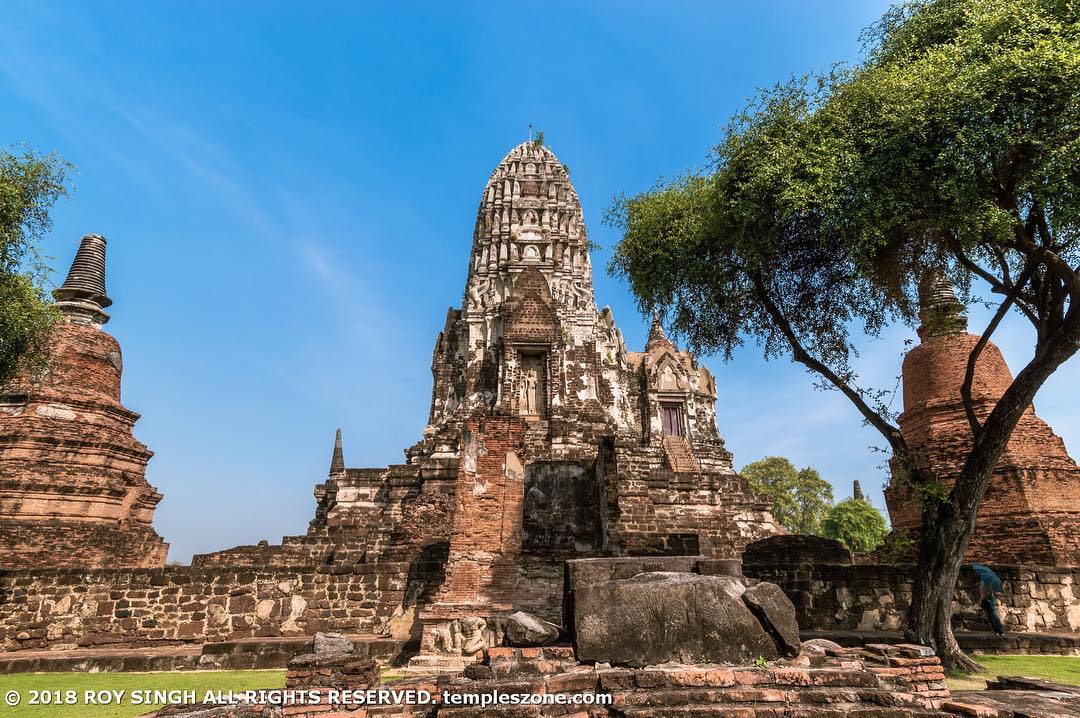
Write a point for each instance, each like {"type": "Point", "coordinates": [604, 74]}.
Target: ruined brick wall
{"type": "Point", "coordinates": [659, 511]}
{"type": "Point", "coordinates": [65, 608]}
{"type": "Point", "coordinates": [482, 571]}
{"type": "Point", "coordinates": [875, 597]}
{"type": "Point", "coordinates": [878, 681]}
{"type": "Point", "coordinates": [390, 514]}
{"type": "Point", "coordinates": [1031, 510]}
{"type": "Point", "coordinates": [73, 490]}
{"type": "Point", "coordinates": [70, 544]}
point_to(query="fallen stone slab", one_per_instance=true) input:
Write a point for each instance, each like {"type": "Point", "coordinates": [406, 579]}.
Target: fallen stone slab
{"type": "Point", "coordinates": [774, 609]}
{"type": "Point", "coordinates": [819, 646]}
{"type": "Point", "coordinates": [1023, 683]}
{"type": "Point", "coordinates": [662, 617]}
{"type": "Point", "coordinates": [1012, 704]}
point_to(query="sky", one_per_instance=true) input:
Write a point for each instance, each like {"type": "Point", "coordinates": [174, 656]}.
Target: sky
{"type": "Point", "coordinates": [289, 191]}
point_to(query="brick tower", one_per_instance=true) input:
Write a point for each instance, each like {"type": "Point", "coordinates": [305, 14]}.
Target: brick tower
{"type": "Point", "coordinates": [73, 491]}
{"type": "Point", "coordinates": [1031, 511]}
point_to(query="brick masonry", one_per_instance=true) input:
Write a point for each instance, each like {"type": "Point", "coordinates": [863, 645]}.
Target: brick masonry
{"type": "Point", "coordinates": [874, 682]}
{"type": "Point", "coordinates": [66, 608]}
{"type": "Point", "coordinates": [545, 439]}
{"type": "Point", "coordinates": [838, 595]}
{"type": "Point", "coordinates": [73, 490]}
{"type": "Point", "coordinates": [1031, 511]}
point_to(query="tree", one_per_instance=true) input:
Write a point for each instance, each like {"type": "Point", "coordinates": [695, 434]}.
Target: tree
{"type": "Point", "coordinates": [857, 524]}
{"type": "Point", "coordinates": [952, 149]}
{"type": "Point", "coordinates": [29, 186]}
{"type": "Point", "coordinates": [800, 497]}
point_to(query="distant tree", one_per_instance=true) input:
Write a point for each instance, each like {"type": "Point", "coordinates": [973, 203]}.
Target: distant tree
{"type": "Point", "coordinates": [857, 524]}
{"type": "Point", "coordinates": [538, 141]}
{"type": "Point", "coordinates": [800, 497]}
{"type": "Point", "coordinates": [953, 148]}
{"type": "Point", "coordinates": [29, 186]}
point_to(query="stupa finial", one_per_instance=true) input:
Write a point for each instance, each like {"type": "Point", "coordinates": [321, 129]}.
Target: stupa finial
{"type": "Point", "coordinates": [82, 296]}
{"type": "Point", "coordinates": [939, 309]}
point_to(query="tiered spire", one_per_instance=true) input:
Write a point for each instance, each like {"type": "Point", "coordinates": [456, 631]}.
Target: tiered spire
{"type": "Point", "coordinates": [939, 309]}
{"type": "Point", "coordinates": [529, 217]}
{"type": "Point", "coordinates": [82, 296]}
{"type": "Point", "coordinates": [337, 460]}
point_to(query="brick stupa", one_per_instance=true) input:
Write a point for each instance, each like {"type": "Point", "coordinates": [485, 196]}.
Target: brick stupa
{"type": "Point", "coordinates": [1031, 511]}
{"type": "Point", "coordinates": [73, 490]}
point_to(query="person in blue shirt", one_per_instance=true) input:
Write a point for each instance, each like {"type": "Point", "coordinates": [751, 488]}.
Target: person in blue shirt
{"type": "Point", "coordinates": [989, 587]}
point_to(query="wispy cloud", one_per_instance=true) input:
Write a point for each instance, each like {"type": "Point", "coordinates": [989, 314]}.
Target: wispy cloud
{"type": "Point", "coordinates": [259, 205]}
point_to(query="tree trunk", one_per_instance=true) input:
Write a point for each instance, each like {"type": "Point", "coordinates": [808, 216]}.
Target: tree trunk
{"type": "Point", "coordinates": [948, 526]}
{"type": "Point", "coordinates": [940, 559]}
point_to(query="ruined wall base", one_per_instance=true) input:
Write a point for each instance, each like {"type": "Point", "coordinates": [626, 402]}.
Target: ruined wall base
{"type": "Point", "coordinates": [68, 608]}
{"type": "Point", "coordinates": [875, 597]}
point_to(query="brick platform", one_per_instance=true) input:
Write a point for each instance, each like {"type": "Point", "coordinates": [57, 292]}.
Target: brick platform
{"type": "Point", "coordinates": [875, 682]}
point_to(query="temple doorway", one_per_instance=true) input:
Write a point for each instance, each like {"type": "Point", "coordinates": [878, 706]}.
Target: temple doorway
{"type": "Point", "coordinates": [671, 418]}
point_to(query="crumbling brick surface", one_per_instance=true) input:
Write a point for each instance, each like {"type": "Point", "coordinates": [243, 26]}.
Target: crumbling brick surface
{"type": "Point", "coordinates": [876, 682]}
{"type": "Point", "coordinates": [73, 490]}
{"type": "Point", "coordinates": [1031, 511]}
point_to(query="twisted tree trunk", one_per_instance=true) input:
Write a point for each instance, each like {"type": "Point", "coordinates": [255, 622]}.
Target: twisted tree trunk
{"type": "Point", "coordinates": [948, 526]}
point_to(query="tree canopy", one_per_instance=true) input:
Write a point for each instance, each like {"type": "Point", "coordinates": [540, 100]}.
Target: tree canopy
{"type": "Point", "coordinates": [857, 524]}
{"type": "Point", "coordinates": [952, 148]}
{"type": "Point", "coordinates": [30, 184]}
{"type": "Point", "coordinates": [800, 497]}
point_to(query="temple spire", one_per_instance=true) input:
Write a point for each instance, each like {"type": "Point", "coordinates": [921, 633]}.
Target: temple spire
{"type": "Point", "coordinates": [856, 491]}
{"type": "Point", "coordinates": [82, 296]}
{"type": "Point", "coordinates": [656, 333]}
{"type": "Point", "coordinates": [337, 460]}
{"type": "Point", "coordinates": [939, 309]}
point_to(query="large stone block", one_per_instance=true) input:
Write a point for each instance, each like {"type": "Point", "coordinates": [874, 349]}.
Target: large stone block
{"type": "Point", "coordinates": [662, 617]}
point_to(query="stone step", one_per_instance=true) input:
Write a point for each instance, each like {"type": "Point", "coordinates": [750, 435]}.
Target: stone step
{"type": "Point", "coordinates": [679, 454]}
{"type": "Point", "coordinates": [103, 660]}
{"type": "Point", "coordinates": [240, 654]}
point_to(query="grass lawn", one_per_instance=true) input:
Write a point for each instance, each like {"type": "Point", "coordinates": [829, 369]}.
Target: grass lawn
{"type": "Point", "coordinates": [1062, 669]}
{"type": "Point", "coordinates": [199, 681]}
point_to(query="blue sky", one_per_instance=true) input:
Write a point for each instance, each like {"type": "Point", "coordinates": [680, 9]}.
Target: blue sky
{"type": "Point", "coordinates": [289, 191]}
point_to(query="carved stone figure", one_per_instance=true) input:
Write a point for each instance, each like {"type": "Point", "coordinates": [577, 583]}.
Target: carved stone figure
{"type": "Point", "coordinates": [529, 389]}
{"type": "Point", "coordinates": [441, 638]}
{"type": "Point", "coordinates": [472, 635]}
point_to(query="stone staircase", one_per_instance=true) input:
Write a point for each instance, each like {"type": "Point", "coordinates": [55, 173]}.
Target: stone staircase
{"type": "Point", "coordinates": [679, 455]}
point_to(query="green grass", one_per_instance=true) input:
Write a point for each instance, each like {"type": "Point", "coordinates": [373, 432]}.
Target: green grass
{"type": "Point", "coordinates": [199, 681]}
{"type": "Point", "coordinates": [1061, 669]}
